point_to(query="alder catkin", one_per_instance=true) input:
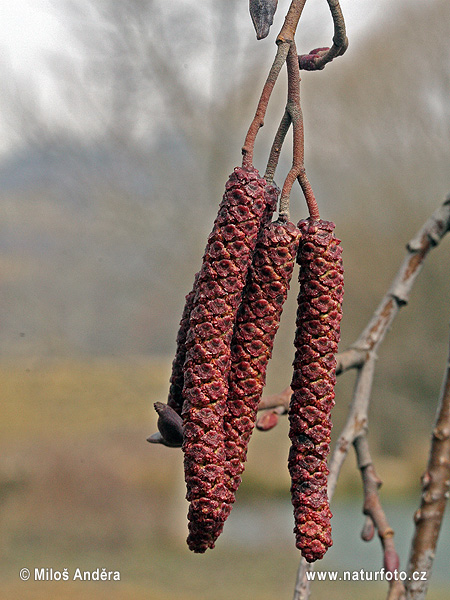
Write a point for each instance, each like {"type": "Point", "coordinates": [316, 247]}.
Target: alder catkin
{"type": "Point", "coordinates": [257, 322]}
{"type": "Point", "coordinates": [175, 399]}
{"type": "Point", "coordinates": [206, 368]}
{"type": "Point", "coordinates": [316, 340]}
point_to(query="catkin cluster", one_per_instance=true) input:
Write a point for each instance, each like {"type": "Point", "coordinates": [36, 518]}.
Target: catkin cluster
{"type": "Point", "coordinates": [317, 336]}
{"type": "Point", "coordinates": [224, 343]}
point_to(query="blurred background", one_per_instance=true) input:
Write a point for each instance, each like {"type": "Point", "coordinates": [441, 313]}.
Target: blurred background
{"type": "Point", "coordinates": [119, 124]}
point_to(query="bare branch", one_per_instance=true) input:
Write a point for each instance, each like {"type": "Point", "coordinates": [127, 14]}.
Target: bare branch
{"type": "Point", "coordinates": [373, 510]}
{"type": "Point", "coordinates": [303, 585]}
{"type": "Point", "coordinates": [318, 58]}
{"type": "Point", "coordinates": [358, 354]}
{"type": "Point", "coordinates": [297, 171]}
{"type": "Point", "coordinates": [258, 120]}
{"type": "Point", "coordinates": [435, 493]}
{"type": "Point", "coordinates": [284, 40]}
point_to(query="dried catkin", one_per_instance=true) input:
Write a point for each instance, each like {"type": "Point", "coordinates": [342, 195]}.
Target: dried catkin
{"type": "Point", "coordinates": [257, 322]}
{"type": "Point", "coordinates": [218, 294]}
{"type": "Point", "coordinates": [316, 340]}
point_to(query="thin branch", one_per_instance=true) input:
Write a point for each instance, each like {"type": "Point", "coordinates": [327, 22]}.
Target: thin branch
{"type": "Point", "coordinates": [289, 28]}
{"type": "Point", "coordinates": [354, 357]}
{"type": "Point", "coordinates": [428, 236]}
{"type": "Point", "coordinates": [375, 514]}
{"type": "Point", "coordinates": [297, 171]}
{"type": "Point", "coordinates": [302, 588]}
{"type": "Point", "coordinates": [318, 58]}
{"type": "Point", "coordinates": [284, 39]}
{"type": "Point", "coordinates": [278, 141]}
{"type": "Point", "coordinates": [435, 493]}
{"type": "Point", "coordinates": [258, 119]}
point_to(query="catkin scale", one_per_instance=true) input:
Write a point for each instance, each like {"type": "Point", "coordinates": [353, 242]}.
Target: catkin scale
{"type": "Point", "coordinates": [218, 293]}
{"type": "Point", "coordinates": [316, 339]}
{"type": "Point", "coordinates": [257, 322]}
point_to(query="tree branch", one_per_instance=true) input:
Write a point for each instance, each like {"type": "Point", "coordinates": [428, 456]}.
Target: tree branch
{"type": "Point", "coordinates": [376, 518]}
{"type": "Point", "coordinates": [318, 58]}
{"type": "Point", "coordinates": [284, 40]}
{"type": "Point", "coordinates": [435, 493]}
{"type": "Point", "coordinates": [358, 354]}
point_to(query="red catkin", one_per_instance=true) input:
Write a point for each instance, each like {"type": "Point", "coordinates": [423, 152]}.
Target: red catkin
{"type": "Point", "coordinates": [175, 399]}
{"type": "Point", "coordinates": [207, 363]}
{"type": "Point", "coordinates": [316, 340]}
{"type": "Point", "coordinates": [257, 322]}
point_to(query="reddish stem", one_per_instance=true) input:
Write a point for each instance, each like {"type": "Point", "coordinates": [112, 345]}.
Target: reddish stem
{"type": "Point", "coordinates": [297, 171]}
{"type": "Point", "coordinates": [285, 37]}
{"type": "Point", "coordinates": [258, 119]}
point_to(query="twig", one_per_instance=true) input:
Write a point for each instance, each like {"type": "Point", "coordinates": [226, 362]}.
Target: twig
{"type": "Point", "coordinates": [284, 39]}
{"type": "Point", "coordinates": [276, 147]}
{"type": "Point", "coordinates": [318, 58]}
{"type": "Point", "coordinates": [435, 493]}
{"type": "Point", "coordinates": [376, 516]}
{"type": "Point", "coordinates": [303, 584]}
{"type": "Point", "coordinates": [258, 119]}
{"type": "Point", "coordinates": [357, 355]}
{"type": "Point", "coordinates": [297, 171]}
{"type": "Point", "coordinates": [287, 32]}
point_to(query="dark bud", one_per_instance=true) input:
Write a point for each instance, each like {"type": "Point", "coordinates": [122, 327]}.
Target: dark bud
{"type": "Point", "coordinates": [262, 12]}
{"type": "Point", "coordinates": [170, 426]}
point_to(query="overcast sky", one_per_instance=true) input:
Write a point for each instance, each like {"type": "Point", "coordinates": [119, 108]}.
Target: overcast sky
{"type": "Point", "coordinates": [31, 30]}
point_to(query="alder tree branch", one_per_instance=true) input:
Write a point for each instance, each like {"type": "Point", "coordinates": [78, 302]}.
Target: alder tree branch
{"type": "Point", "coordinates": [318, 58]}
{"type": "Point", "coordinates": [435, 493]}
{"type": "Point", "coordinates": [258, 119]}
{"type": "Point", "coordinates": [375, 515]}
{"type": "Point", "coordinates": [284, 40]}
{"type": "Point", "coordinates": [291, 20]}
{"type": "Point", "coordinates": [297, 170]}
{"type": "Point", "coordinates": [278, 141]}
{"type": "Point", "coordinates": [355, 357]}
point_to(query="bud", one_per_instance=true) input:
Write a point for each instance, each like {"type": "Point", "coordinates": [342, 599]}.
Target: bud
{"type": "Point", "coordinates": [268, 420]}
{"type": "Point", "coordinates": [170, 425]}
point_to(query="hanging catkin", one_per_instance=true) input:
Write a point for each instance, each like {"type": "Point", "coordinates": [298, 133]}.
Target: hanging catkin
{"type": "Point", "coordinates": [317, 336]}
{"type": "Point", "coordinates": [257, 322]}
{"type": "Point", "coordinates": [175, 399]}
{"type": "Point", "coordinates": [218, 294]}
